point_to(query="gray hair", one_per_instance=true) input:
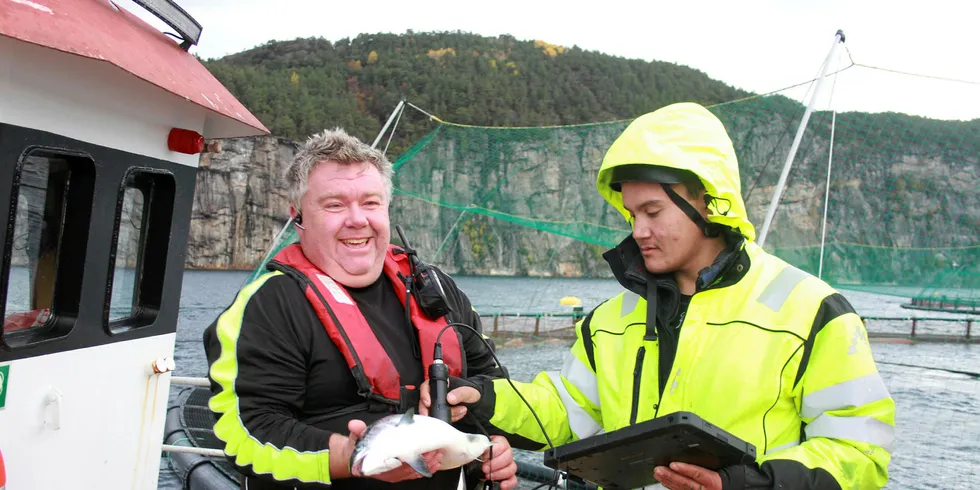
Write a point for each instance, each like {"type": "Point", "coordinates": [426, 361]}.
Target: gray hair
{"type": "Point", "coordinates": [334, 145]}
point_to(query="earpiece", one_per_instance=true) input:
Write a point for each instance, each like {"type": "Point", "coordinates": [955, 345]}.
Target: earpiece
{"type": "Point", "coordinates": [298, 221]}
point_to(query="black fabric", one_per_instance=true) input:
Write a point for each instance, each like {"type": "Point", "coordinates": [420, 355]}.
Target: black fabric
{"type": "Point", "coordinates": [643, 172]}
{"type": "Point", "coordinates": [292, 380]}
{"type": "Point", "coordinates": [383, 310]}
{"type": "Point", "coordinates": [777, 474]}
{"type": "Point", "coordinates": [587, 341]}
{"type": "Point", "coordinates": [831, 307]}
{"type": "Point", "coordinates": [728, 267]}
{"type": "Point", "coordinates": [626, 263]}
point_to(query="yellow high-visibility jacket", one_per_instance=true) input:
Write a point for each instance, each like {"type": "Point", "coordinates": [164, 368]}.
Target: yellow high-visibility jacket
{"type": "Point", "coordinates": [764, 350]}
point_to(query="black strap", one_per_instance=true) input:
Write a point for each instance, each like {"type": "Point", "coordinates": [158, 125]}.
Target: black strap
{"type": "Point", "coordinates": [667, 337]}
{"type": "Point", "coordinates": [587, 340]}
{"type": "Point", "coordinates": [408, 398]}
{"type": "Point", "coordinates": [651, 298]}
{"type": "Point", "coordinates": [364, 388]}
{"type": "Point", "coordinates": [709, 229]}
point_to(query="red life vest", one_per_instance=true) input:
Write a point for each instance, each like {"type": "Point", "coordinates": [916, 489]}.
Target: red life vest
{"type": "Point", "coordinates": [373, 370]}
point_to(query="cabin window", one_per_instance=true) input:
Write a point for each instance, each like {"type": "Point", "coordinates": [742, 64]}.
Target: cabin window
{"type": "Point", "coordinates": [144, 216]}
{"type": "Point", "coordinates": [51, 211]}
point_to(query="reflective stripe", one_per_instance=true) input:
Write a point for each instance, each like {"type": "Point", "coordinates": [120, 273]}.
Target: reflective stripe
{"type": "Point", "coordinates": [630, 300]}
{"type": "Point", "coordinates": [778, 290]}
{"type": "Point", "coordinates": [582, 377]}
{"type": "Point", "coordinates": [784, 446]}
{"type": "Point", "coordinates": [851, 393]}
{"type": "Point", "coordinates": [863, 429]}
{"type": "Point", "coordinates": [285, 463]}
{"type": "Point", "coordinates": [581, 424]}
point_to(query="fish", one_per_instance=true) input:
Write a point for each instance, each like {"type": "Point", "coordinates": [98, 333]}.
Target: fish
{"type": "Point", "coordinates": [404, 438]}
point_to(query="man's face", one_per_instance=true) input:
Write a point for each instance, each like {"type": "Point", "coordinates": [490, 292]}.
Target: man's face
{"type": "Point", "coordinates": [345, 213]}
{"type": "Point", "coordinates": [668, 238]}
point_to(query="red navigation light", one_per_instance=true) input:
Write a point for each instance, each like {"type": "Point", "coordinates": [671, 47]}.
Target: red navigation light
{"type": "Point", "coordinates": [185, 141]}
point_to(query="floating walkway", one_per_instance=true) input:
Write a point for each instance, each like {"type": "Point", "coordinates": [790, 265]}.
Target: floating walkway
{"type": "Point", "coordinates": [506, 326]}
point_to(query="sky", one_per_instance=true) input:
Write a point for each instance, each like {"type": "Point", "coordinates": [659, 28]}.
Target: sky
{"type": "Point", "coordinates": [756, 45]}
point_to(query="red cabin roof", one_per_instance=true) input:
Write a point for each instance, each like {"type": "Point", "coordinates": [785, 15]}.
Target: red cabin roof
{"type": "Point", "coordinates": [99, 30]}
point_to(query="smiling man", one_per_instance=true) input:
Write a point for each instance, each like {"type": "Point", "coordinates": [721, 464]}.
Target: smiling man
{"type": "Point", "coordinates": [321, 344]}
{"type": "Point", "coordinates": [710, 323]}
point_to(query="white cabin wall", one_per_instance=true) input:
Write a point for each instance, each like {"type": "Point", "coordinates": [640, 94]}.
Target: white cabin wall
{"type": "Point", "coordinates": [112, 414]}
{"type": "Point", "coordinates": [92, 101]}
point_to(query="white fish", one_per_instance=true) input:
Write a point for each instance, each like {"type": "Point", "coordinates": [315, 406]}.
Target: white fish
{"type": "Point", "coordinates": [398, 439]}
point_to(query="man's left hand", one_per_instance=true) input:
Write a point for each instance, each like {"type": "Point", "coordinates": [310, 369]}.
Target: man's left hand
{"type": "Point", "coordinates": [683, 476]}
{"type": "Point", "coordinates": [499, 465]}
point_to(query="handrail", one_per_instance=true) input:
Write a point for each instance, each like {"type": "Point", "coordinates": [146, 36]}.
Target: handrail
{"type": "Point", "coordinates": [181, 380]}
{"type": "Point", "coordinates": [203, 451]}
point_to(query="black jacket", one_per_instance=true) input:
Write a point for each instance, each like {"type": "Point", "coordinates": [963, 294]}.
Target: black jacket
{"type": "Point", "coordinates": [290, 380]}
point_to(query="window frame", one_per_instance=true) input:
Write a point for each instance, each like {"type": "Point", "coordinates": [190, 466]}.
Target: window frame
{"type": "Point", "coordinates": [74, 227]}
{"type": "Point", "coordinates": [156, 223]}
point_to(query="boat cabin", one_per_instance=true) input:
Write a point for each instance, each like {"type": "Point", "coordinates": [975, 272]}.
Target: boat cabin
{"type": "Point", "coordinates": [103, 119]}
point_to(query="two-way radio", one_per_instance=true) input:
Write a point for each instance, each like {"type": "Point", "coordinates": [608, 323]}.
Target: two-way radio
{"type": "Point", "coordinates": [424, 284]}
{"type": "Point", "coordinates": [426, 287]}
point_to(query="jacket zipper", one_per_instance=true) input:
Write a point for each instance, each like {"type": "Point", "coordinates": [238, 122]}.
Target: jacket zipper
{"type": "Point", "coordinates": [637, 374]}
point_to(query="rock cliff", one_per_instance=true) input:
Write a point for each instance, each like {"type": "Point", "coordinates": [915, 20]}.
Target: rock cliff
{"type": "Point", "coordinates": [239, 203]}
{"type": "Point", "coordinates": [885, 204]}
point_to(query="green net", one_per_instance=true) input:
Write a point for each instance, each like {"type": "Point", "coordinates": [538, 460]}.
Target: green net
{"type": "Point", "coordinates": [951, 290]}
{"type": "Point", "coordinates": [902, 208]}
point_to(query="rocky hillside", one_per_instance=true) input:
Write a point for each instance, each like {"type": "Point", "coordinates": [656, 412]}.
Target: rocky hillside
{"type": "Point", "coordinates": [896, 211]}
{"type": "Point", "coordinates": [903, 197]}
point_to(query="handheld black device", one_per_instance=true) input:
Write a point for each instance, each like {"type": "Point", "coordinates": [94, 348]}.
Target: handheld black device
{"type": "Point", "coordinates": [439, 385]}
{"type": "Point", "coordinates": [426, 286]}
{"type": "Point", "coordinates": [428, 292]}
{"type": "Point", "coordinates": [625, 458]}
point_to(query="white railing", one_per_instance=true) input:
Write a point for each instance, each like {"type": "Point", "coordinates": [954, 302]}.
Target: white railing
{"type": "Point", "coordinates": [180, 380]}
{"type": "Point", "coordinates": [192, 450]}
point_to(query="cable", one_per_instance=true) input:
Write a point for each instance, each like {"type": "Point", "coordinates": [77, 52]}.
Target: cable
{"type": "Point", "coordinates": [911, 74]}
{"type": "Point", "coordinates": [506, 374]}
{"type": "Point", "coordinates": [930, 368]}
{"type": "Point", "coordinates": [437, 355]}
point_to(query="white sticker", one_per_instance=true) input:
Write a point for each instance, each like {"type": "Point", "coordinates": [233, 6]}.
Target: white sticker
{"type": "Point", "coordinates": [335, 290]}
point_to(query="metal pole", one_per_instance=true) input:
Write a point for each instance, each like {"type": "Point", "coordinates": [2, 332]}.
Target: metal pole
{"type": "Point", "coordinates": [830, 161]}
{"type": "Point", "coordinates": [203, 451]}
{"type": "Point", "coordinates": [761, 240]}
{"type": "Point", "coordinates": [178, 380]}
{"type": "Point", "coordinates": [448, 235]}
{"type": "Point", "coordinates": [826, 197]}
{"type": "Point", "coordinates": [398, 108]}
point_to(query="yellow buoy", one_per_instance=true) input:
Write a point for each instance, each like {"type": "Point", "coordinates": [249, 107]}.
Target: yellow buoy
{"type": "Point", "coordinates": [570, 301]}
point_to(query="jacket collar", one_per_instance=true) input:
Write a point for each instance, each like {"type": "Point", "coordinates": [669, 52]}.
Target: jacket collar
{"type": "Point", "coordinates": [626, 263]}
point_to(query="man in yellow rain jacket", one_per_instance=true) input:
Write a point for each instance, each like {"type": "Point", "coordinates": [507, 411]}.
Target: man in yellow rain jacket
{"type": "Point", "coordinates": [708, 323]}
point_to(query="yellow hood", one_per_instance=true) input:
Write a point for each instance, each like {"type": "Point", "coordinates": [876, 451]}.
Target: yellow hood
{"type": "Point", "coordinates": [684, 136]}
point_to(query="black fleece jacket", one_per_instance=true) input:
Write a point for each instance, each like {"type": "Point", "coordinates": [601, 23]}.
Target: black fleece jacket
{"type": "Point", "coordinates": [292, 380]}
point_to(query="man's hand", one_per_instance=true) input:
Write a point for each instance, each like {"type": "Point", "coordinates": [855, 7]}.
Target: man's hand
{"type": "Point", "coordinates": [683, 476]}
{"type": "Point", "coordinates": [463, 394]}
{"type": "Point", "coordinates": [499, 465]}
{"type": "Point", "coordinates": [341, 448]}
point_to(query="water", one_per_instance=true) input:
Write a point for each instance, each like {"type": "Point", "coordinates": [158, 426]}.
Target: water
{"type": "Point", "coordinates": [938, 413]}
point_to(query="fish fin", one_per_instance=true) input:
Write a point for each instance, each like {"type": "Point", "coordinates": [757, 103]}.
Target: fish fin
{"type": "Point", "coordinates": [408, 417]}
{"type": "Point", "coordinates": [420, 466]}
{"type": "Point", "coordinates": [489, 445]}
